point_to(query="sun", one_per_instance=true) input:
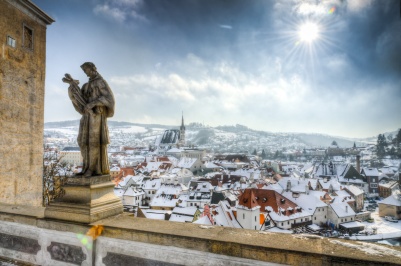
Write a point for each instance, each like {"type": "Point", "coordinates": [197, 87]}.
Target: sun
{"type": "Point", "coordinates": [308, 32]}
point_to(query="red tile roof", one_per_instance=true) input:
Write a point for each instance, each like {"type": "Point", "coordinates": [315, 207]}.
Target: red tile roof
{"type": "Point", "coordinates": [253, 197]}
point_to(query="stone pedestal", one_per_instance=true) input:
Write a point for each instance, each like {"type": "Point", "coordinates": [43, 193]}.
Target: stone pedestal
{"type": "Point", "coordinates": [86, 200]}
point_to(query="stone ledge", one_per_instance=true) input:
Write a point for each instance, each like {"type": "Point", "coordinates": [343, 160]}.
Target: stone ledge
{"type": "Point", "coordinates": [248, 244]}
{"type": "Point", "coordinates": [273, 247]}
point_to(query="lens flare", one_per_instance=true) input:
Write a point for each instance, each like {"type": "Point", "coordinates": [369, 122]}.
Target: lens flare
{"type": "Point", "coordinates": [332, 10]}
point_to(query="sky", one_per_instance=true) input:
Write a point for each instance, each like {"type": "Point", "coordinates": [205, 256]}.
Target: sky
{"type": "Point", "coordinates": [331, 67]}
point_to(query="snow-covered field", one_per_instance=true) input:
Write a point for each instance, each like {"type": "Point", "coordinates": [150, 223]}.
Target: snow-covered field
{"type": "Point", "coordinates": [385, 229]}
{"type": "Point", "coordinates": [129, 129]}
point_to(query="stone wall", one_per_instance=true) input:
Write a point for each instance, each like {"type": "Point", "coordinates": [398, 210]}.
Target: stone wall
{"type": "Point", "coordinates": [22, 80]}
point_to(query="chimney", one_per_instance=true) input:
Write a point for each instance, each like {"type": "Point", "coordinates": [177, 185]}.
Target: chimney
{"type": "Point", "coordinates": [346, 208]}
{"type": "Point", "coordinates": [358, 163]}
{"type": "Point", "coordinates": [288, 185]}
{"type": "Point", "coordinates": [307, 190]}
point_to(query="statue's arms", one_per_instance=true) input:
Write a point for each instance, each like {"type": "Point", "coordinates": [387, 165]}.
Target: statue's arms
{"type": "Point", "coordinates": [74, 92]}
{"type": "Point", "coordinates": [106, 98]}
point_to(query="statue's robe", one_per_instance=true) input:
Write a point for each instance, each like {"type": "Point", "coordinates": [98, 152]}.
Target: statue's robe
{"type": "Point", "coordinates": [93, 136]}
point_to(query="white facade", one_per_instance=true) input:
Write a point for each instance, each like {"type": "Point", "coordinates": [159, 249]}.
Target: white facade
{"type": "Point", "coordinates": [133, 197]}
{"type": "Point", "coordinates": [71, 157]}
{"type": "Point", "coordinates": [338, 213]}
{"type": "Point", "coordinates": [320, 215]}
{"type": "Point", "coordinates": [249, 218]}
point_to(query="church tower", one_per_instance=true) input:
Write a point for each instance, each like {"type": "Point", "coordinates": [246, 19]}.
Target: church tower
{"type": "Point", "coordinates": [182, 132]}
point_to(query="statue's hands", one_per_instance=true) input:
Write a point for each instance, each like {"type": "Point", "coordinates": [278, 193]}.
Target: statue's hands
{"type": "Point", "coordinates": [89, 107]}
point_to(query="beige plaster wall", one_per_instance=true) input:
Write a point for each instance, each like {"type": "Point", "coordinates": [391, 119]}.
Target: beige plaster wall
{"type": "Point", "coordinates": [22, 77]}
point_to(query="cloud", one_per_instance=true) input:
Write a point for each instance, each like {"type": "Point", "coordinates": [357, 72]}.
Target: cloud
{"type": "Point", "coordinates": [358, 5]}
{"type": "Point", "coordinates": [120, 10]}
{"type": "Point", "coordinates": [228, 27]}
{"type": "Point", "coordinates": [108, 11]}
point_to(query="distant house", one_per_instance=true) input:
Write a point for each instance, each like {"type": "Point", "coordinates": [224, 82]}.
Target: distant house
{"type": "Point", "coordinates": [258, 208]}
{"type": "Point", "coordinates": [372, 178]}
{"type": "Point", "coordinates": [185, 214]}
{"type": "Point", "coordinates": [339, 213]}
{"type": "Point", "coordinates": [357, 194]}
{"type": "Point", "coordinates": [200, 195]}
{"type": "Point", "coordinates": [71, 155]}
{"type": "Point", "coordinates": [348, 175]}
{"type": "Point", "coordinates": [391, 206]}
{"type": "Point", "coordinates": [386, 189]}
{"type": "Point", "coordinates": [133, 197]}
{"type": "Point", "coordinates": [221, 214]}
{"type": "Point", "coordinates": [193, 164]}
{"type": "Point", "coordinates": [150, 186]}
{"type": "Point", "coordinates": [166, 197]}
{"type": "Point", "coordinates": [311, 202]}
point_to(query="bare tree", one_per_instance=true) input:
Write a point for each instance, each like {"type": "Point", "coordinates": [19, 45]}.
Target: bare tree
{"type": "Point", "coordinates": [55, 173]}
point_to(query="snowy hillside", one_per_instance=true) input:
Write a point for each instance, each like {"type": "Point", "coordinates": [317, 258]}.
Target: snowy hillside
{"type": "Point", "coordinates": [236, 138]}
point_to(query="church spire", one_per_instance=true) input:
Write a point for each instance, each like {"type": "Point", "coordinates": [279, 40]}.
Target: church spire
{"type": "Point", "coordinates": [182, 131]}
{"type": "Point", "coordinates": [182, 122]}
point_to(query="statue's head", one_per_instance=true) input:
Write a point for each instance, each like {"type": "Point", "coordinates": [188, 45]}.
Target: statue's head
{"type": "Point", "coordinates": [89, 68]}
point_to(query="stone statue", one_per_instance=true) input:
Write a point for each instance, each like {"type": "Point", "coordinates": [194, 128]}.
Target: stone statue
{"type": "Point", "coordinates": [95, 102]}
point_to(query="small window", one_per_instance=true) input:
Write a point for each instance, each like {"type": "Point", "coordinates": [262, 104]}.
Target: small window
{"type": "Point", "coordinates": [10, 41]}
{"type": "Point", "coordinates": [255, 218]}
{"type": "Point", "coordinates": [243, 216]}
{"type": "Point", "coordinates": [27, 38]}
{"type": "Point", "coordinates": [315, 218]}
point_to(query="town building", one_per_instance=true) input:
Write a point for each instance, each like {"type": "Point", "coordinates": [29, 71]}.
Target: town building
{"type": "Point", "coordinates": [71, 155]}
{"type": "Point", "coordinates": [391, 206]}
{"type": "Point", "coordinates": [371, 176]}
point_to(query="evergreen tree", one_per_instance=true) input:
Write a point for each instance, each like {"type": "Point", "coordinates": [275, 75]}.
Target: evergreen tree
{"type": "Point", "coordinates": [398, 143]}
{"type": "Point", "coordinates": [254, 152]}
{"type": "Point", "coordinates": [381, 145]}
{"type": "Point", "coordinates": [334, 143]}
{"type": "Point", "coordinates": [354, 146]}
{"type": "Point", "coordinates": [276, 154]}
{"type": "Point", "coordinates": [263, 154]}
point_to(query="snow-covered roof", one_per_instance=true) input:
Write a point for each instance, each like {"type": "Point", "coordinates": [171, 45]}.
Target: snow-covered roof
{"type": "Point", "coordinates": [119, 192]}
{"type": "Point", "coordinates": [186, 162]}
{"type": "Point", "coordinates": [154, 214]}
{"type": "Point", "coordinates": [133, 192]}
{"type": "Point", "coordinates": [394, 199]}
{"type": "Point", "coordinates": [115, 169]}
{"type": "Point", "coordinates": [370, 171]}
{"type": "Point", "coordinates": [352, 224]}
{"type": "Point", "coordinates": [355, 190]}
{"type": "Point", "coordinates": [342, 209]}
{"type": "Point", "coordinates": [210, 165]}
{"type": "Point", "coordinates": [223, 216]}
{"type": "Point", "coordinates": [174, 150]}
{"type": "Point", "coordinates": [152, 184]}
{"type": "Point", "coordinates": [203, 220]}
{"type": "Point", "coordinates": [308, 202]}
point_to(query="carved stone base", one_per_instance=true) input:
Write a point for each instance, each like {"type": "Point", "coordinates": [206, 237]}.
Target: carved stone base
{"type": "Point", "coordinates": [86, 200]}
